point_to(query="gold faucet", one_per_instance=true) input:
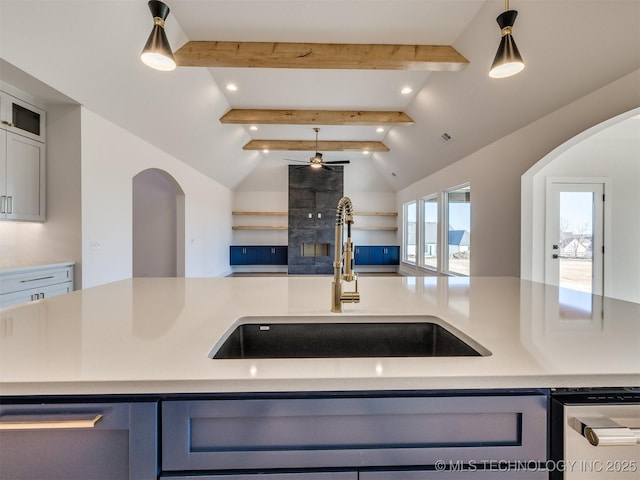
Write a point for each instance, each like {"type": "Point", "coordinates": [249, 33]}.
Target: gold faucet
{"type": "Point", "coordinates": [343, 263]}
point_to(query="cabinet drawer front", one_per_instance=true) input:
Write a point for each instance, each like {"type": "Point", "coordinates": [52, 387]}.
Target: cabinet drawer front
{"type": "Point", "coordinates": [497, 473]}
{"type": "Point", "coordinates": [272, 476]}
{"type": "Point", "coordinates": [351, 432]}
{"type": "Point", "coordinates": [120, 445]}
{"type": "Point", "coordinates": [18, 281]}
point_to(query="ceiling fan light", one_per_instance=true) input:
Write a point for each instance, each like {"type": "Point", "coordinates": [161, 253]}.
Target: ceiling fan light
{"type": "Point", "coordinates": [157, 51]}
{"type": "Point", "coordinates": [316, 165]}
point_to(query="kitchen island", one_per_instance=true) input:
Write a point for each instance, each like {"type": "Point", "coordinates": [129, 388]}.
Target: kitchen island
{"type": "Point", "coordinates": [140, 348]}
{"type": "Point", "coordinates": [154, 336]}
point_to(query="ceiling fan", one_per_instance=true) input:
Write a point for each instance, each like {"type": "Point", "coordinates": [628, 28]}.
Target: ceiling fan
{"type": "Point", "coordinates": [316, 161]}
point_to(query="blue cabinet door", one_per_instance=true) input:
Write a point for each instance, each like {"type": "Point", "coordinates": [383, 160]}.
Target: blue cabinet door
{"type": "Point", "coordinates": [362, 255]}
{"type": "Point", "coordinates": [274, 255]}
{"type": "Point", "coordinates": [377, 255]}
{"type": "Point", "coordinates": [392, 255]}
{"type": "Point", "coordinates": [281, 255]}
{"type": "Point", "coordinates": [243, 255]}
{"type": "Point", "coordinates": [264, 255]}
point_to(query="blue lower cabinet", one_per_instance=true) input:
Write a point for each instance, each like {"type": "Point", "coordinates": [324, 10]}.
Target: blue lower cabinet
{"type": "Point", "coordinates": [243, 255]}
{"type": "Point", "coordinates": [377, 255]}
{"type": "Point", "coordinates": [362, 255]}
{"type": "Point", "coordinates": [272, 255]}
{"type": "Point", "coordinates": [100, 441]}
{"type": "Point", "coordinates": [258, 255]}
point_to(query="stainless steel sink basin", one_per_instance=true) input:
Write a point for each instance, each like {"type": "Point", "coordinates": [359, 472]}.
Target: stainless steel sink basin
{"type": "Point", "coordinates": [325, 337]}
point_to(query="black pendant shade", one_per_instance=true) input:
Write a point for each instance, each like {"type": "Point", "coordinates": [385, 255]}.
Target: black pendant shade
{"type": "Point", "coordinates": [508, 60]}
{"type": "Point", "coordinates": [157, 51]}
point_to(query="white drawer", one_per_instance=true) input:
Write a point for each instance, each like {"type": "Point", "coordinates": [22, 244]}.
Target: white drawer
{"type": "Point", "coordinates": [17, 281]}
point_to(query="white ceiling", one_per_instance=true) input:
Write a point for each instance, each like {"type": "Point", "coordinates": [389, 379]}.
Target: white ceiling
{"type": "Point", "coordinates": [571, 47]}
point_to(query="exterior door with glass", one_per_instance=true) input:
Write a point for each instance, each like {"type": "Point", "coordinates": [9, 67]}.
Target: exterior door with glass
{"type": "Point", "coordinates": [575, 235]}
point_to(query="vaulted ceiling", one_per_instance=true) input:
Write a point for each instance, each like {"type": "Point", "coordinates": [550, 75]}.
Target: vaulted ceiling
{"type": "Point", "coordinates": [571, 47]}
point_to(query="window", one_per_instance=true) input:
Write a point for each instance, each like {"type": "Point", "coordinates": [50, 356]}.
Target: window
{"type": "Point", "coordinates": [430, 232]}
{"type": "Point", "coordinates": [458, 216]}
{"type": "Point", "coordinates": [409, 232]}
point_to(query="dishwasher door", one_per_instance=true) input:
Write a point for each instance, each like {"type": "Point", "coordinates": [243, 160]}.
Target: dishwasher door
{"type": "Point", "coordinates": [601, 441]}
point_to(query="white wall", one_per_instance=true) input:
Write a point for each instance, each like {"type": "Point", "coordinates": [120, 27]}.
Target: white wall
{"type": "Point", "coordinates": [495, 171]}
{"type": "Point", "coordinates": [111, 157]}
{"type": "Point", "coordinates": [609, 150]}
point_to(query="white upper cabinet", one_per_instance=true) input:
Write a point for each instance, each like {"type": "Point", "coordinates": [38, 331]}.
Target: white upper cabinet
{"type": "Point", "coordinates": [19, 116]}
{"type": "Point", "coordinates": [22, 160]}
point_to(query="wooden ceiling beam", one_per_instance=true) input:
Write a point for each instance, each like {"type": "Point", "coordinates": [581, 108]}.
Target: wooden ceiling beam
{"type": "Point", "coordinates": [310, 145]}
{"type": "Point", "coordinates": [315, 117]}
{"type": "Point", "coordinates": [320, 55]}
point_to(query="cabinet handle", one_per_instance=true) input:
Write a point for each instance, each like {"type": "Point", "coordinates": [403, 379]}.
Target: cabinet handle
{"type": "Point", "coordinates": [39, 421]}
{"type": "Point", "coordinates": [602, 432]}
{"type": "Point", "coordinates": [36, 279]}
{"type": "Point", "coordinates": [9, 204]}
{"type": "Point", "coordinates": [3, 204]}
{"type": "Point", "coordinates": [8, 124]}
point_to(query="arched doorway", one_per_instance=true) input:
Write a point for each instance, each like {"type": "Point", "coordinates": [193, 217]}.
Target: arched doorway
{"type": "Point", "coordinates": [158, 225]}
{"type": "Point", "coordinates": [604, 156]}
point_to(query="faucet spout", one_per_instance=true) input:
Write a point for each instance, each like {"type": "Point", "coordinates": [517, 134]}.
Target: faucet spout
{"type": "Point", "coordinates": [343, 261]}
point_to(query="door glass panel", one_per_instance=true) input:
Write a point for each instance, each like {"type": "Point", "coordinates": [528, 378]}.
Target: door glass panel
{"type": "Point", "coordinates": [459, 221]}
{"type": "Point", "coordinates": [575, 252]}
{"type": "Point", "coordinates": [410, 217]}
{"type": "Point", "coordinates": [430, 236]}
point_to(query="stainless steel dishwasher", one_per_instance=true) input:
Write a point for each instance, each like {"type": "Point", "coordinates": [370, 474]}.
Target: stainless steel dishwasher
{"type": "Point", "coordinates": [595, 434]}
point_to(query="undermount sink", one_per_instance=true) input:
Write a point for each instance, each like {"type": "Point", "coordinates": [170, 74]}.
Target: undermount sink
{"type": "Point", "coordinates": [324, 337]}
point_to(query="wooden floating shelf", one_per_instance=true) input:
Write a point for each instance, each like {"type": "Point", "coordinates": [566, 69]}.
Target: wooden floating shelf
{"type": "Point", "coordinates": [390, 229]}
{"type": "Point", "coordinates": [377, 214]}
{"type": "Point", "coordinates": [258, 227]}
{"type": "Point", "coordinates": [284, 214]}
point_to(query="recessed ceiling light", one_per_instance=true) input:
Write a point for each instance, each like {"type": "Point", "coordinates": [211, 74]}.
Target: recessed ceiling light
{"type": "Point", "coordinates": [265, 151]}
{"type": "Point", "coordinates": [406, 90]}
{"type": "Point", "coordinates": [379, 129]}
{"type": "Point", "coordinates": [232, 87]}
{"type": "Point", "coordinates": [253, 128]}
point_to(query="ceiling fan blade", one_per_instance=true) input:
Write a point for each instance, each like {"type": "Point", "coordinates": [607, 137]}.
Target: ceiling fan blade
{"type": "Point", "coordinates": [338, 162]}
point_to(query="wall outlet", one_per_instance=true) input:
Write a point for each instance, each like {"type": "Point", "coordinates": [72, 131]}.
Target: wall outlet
{"type": "Point", "coordinates": [95, 245]}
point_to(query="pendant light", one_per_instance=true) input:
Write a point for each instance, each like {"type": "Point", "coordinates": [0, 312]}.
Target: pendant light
{"type": "Point", "coordinates": [157, 52]}
{"type": "Point", "coordinates": [507, 61]}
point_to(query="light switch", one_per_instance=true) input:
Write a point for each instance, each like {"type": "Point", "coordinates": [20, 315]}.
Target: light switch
{"type": "Point", "coordinates": [319, 215]}
{"type": "Point", "coordinates": [310, 215]}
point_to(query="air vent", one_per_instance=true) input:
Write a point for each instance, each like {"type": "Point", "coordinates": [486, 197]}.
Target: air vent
{"type": "Point", "coordinates": [445, 137]}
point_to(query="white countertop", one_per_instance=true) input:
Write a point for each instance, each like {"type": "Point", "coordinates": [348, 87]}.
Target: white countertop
{"type": "Point", "coordinates": [153, 336]}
